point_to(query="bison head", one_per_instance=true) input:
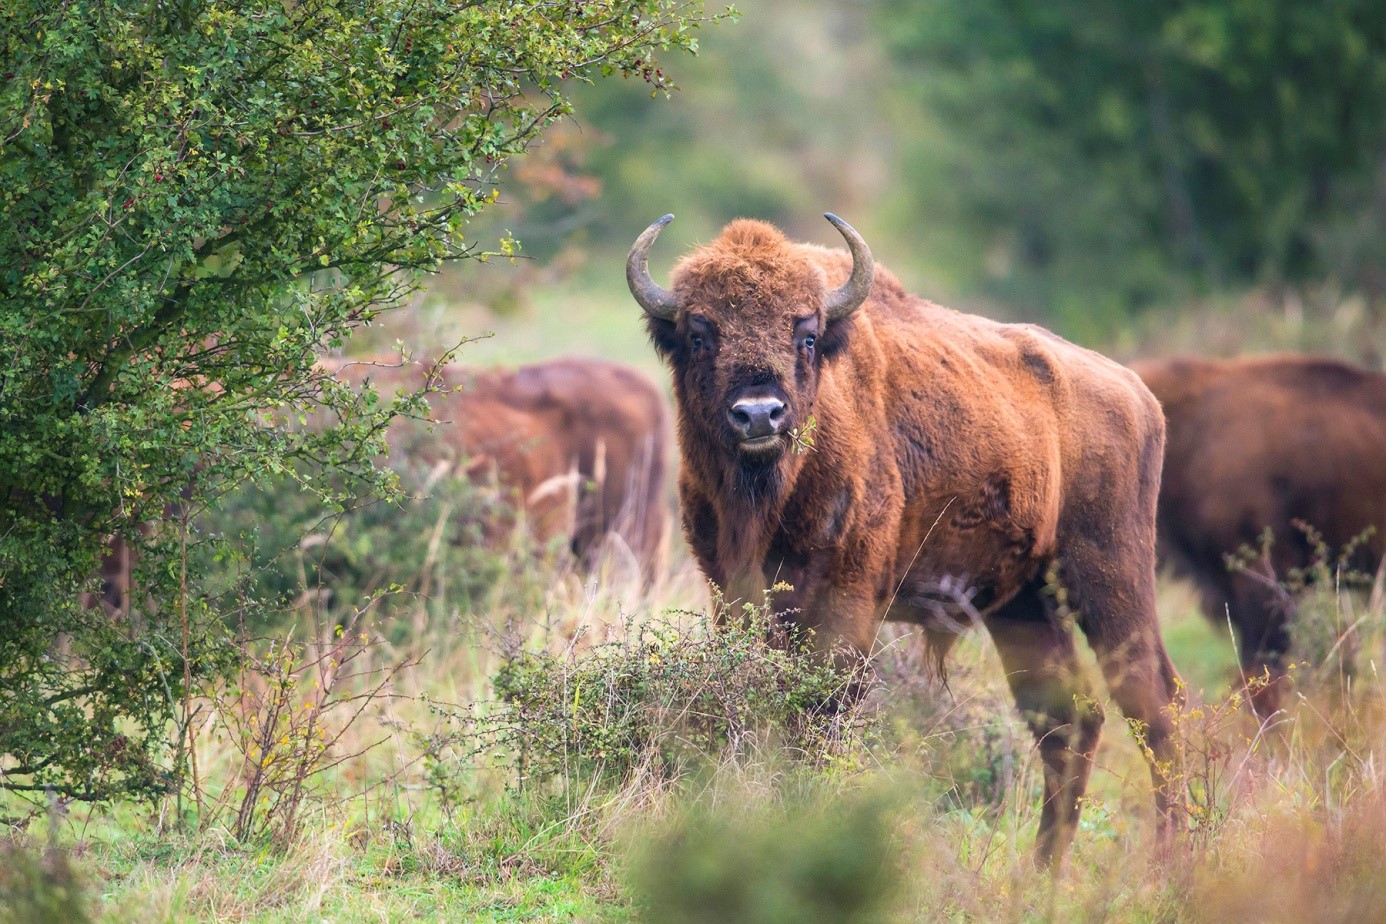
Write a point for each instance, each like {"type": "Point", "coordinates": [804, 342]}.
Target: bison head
{"type": "Point", "coordinates": [747, 326]}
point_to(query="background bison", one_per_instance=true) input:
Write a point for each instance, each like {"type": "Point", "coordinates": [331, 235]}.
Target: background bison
{"type": "Point", "coordinates": [877, 452]}
{"type": "Point", "coordinates": [577, 445]}
{"type": "Point", "coordinates": [577, 448]}
{"type": "Point", "coordinates": [1263, 443]}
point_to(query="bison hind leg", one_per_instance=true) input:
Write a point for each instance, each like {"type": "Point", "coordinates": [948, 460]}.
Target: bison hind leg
{"type": "Point", "coordinates": [1055, 697]}
{"type": "Point", "coordinates": [1116, 611]}
{"type": "Point", "coordinates": [1261, 618]}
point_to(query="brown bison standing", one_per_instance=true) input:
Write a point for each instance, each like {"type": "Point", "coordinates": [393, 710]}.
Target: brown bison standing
{"type": "Point", "coordinates": [1263, 442]}
{"type": "Point", "coordinates": [947, 450]}
{"type": "Point", "coordinates": [578, 444]}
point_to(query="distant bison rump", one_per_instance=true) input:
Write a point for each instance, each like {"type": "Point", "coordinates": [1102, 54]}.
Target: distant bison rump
{"type": "Point", "coordinates": [577, 446]}
{"type": "Point", "coordinates": [1267, 442]}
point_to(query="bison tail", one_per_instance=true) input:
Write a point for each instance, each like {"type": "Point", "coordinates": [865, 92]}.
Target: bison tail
{"type": "Point", "coordinates": [938, 641]}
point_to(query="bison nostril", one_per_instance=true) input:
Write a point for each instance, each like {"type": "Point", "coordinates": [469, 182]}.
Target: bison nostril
{"type": "Point", "coordinates": [739, 418]}
{"type": "Point", "coordinates": [777, 414]}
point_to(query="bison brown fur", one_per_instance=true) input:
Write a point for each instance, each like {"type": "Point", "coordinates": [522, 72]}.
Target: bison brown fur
{"type": "Point", "coordinates": [948, 451]}
{"type": "Point", "coordinates": [1267, 442]}
{"type": "Point", "coordinates": [579, 445]}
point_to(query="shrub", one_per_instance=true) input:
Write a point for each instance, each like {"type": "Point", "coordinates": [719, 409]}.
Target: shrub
{"type": "Point", "coordinates": [1325, 629]}
{"type": "Point", "coordinates": [287, 715]}
{"type": "Point", "coordinates": [660, 697]}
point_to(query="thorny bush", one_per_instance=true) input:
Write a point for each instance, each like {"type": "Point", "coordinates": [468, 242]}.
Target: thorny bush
{"type": "Point", "coordinates": [288, 714]}
{"type": "Point", "coordinates": [664, 695]}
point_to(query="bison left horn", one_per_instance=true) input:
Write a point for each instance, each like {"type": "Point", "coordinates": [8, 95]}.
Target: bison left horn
{"type": "Point", "coordinates": [847, 298]}
{"type": "Point", "coordinates": [657, 301]}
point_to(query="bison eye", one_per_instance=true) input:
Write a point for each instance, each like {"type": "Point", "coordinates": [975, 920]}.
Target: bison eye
{"type": "Point", "coordinates": [809, 341]}
{"type": "Point", "coordinates": [696, 341]}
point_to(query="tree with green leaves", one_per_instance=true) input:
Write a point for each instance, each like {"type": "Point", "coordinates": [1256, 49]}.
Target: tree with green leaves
{"type": "Point", "coordinates": [1123, 153]}
{"type": "Point", "coordinates": [199, 196]}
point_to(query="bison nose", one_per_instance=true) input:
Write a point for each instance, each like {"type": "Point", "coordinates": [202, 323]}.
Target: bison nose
{"type": "Point", "coordinates": [756, 417]}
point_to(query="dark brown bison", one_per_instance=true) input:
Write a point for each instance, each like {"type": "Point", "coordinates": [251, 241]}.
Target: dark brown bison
{"type": "Point", "coordinates": [947, 451]}
{"type": "Point", "coordinates": [1262, 442]}
{"type": "Point", "coordinates": [578, 445]}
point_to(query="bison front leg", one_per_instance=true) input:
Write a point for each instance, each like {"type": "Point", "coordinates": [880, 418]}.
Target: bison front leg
{"type": "Point", "coordinates": [1057, 702]}
{"type": "Point", "coordinates": [842, 622]}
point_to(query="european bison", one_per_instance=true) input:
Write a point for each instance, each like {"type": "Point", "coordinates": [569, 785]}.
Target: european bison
{"type": "Point", "coordinates": [579, 444]}
{"type": "Point", "coordinates": [1262, 442]}
{"type": "Point", "coordinates": [947, 450]}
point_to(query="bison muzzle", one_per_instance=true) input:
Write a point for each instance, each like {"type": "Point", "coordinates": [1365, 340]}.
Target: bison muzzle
{"type": "Point", "coordinates": [869, 448]}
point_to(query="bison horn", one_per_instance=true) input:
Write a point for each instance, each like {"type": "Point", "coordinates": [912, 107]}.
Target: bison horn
{"type": "Point", "coordinates": [847, 298]}
{"type": "Point", "coordinates": [658, 302]}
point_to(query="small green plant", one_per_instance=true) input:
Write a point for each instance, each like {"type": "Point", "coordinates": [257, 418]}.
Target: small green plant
{"type": "Point", "coordinates": [802, 437]}
{"type": "Point", "coordinates": [1218, 746]}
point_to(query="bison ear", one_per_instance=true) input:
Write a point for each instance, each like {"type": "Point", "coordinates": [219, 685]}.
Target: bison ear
{"type": "Point", "coordinates": [835, 338]}
{"type": "Point", "coordinates": [665, 337]}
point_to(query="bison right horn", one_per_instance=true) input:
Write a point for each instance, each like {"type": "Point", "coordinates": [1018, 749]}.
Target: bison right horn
{"type": "Point", "coordinates": [847, 298]}
{"type": "Point", "coordinates": [657, 301]}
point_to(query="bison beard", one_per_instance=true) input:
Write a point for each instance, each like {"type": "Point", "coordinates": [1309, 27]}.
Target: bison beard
{"type": "Point", "coordinates": [945, 446]}
{"type": "Point", "coordinates": [1263, 442]}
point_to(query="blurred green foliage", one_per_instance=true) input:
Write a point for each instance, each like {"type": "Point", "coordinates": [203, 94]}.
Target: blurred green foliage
{"type": "Point", "coordinates": [40, 886]}
{"type": "Point", "coordinates": [832, 860]}
{"type": "Point", "coordinates": [1101, 157]}
{"type": "Point", "coordinates": [766, 121]}
{"type": "Point", "coordinates": [1071, 163]}
{"type": "Point", "coordinates": [442, 544]}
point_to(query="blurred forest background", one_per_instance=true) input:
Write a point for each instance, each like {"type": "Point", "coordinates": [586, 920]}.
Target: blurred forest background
{"type": "Point", "coordinates": [1195, 176]}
